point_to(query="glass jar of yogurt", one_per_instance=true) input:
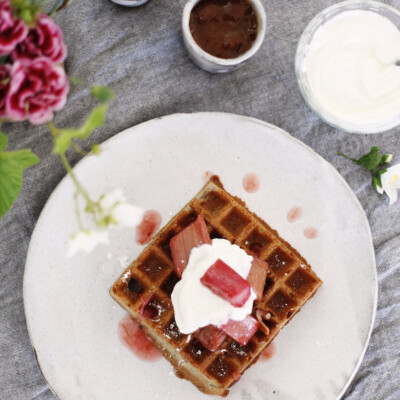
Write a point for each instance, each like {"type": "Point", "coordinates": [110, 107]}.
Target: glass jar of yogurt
{"type": "Point", "coordinates": [348, 66]}
{"type": "Point", "coordinates": [130, 3]}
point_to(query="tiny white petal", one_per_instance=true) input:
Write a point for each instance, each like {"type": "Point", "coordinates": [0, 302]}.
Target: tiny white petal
{"type": "Point", "coordinates": [125, 214]}
{"type": "Point", "coordinates": [389, 158]}
{"type": "Point", "coordinates": [86, 241]}
{"type": "Point", "coordinates": [391, 182]}
{"type": "Point", "coordinates": [109, 200]}
{"type": "Point", "coordinates": [379, 189]}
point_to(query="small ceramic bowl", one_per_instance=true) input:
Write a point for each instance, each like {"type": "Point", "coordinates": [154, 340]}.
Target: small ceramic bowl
{"type": "Point", "coordinates": [130, 3]}
{"type": "Point", "coordinates": [301, 55]}
{"type": "Point", "coordinates": [215, 64]}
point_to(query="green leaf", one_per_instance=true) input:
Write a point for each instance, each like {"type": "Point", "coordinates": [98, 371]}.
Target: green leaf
{"type": "Point", "coordinates": [381, 172]}
{"type": "Point", "coordinates": [26, 10]}
{"type": "Point", "coordinates": [12, 166]}
{"type": "Point", "coordinates": [96, 119]}
{"type": "Point", "coordinates": [377, 184]}
{"type": "Point", "coordinates": [102, 93]}
{"type": "Point", "coordinates": [26, 16]}
{"type": "Point", "coordinates": [370, 160]}
{"type": "Point", "coordinates": [3, 141]}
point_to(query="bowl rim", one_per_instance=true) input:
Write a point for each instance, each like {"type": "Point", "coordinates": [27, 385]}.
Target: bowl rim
{"type": "Point", "coordinates": [130, 3]}
{"type": "Point", "coordinates": [261, 21]}
{"type": "Point", "coordinates": [301, 77]}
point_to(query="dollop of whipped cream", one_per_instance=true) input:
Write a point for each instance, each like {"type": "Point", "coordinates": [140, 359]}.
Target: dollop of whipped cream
{"type": "Point", "coordinates": [197, 306]}
{"type": "Point", "coordinates": [351, 67]}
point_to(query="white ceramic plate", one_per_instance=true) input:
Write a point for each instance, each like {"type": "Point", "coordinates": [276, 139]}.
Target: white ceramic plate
{"type": "Point", "coordinates": [159, 164]}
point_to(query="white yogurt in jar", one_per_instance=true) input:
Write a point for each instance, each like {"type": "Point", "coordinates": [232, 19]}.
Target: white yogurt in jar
{"type": "Point", "coordinates": [351, 68]}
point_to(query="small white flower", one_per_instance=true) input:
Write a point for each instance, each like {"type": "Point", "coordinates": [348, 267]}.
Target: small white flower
{"type": "Point", "coordinates": [109, 200]}
{"type": "Point", "coordinates": [123, 214]}
{"type": "Point", "coordinates": [388, 158]}
{"type": "Point", "coordinates": [391, 182]}
{"type": "Point", "coordinates": [379, 189]}
{"type": "Point", "coordinates": [87, 241]}
{"type": "Point", "coordinates": [117, 212]}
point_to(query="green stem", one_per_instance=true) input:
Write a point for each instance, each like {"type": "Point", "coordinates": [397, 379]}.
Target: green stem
{"type": "Point", "coordinates": [78, 149]}
{"type": "Point", "coordinates": [91, 206]}
{"type": "Point", "coordinates": [78, 213]}
{"type": "Point", "coordinates": [79, 82]}
{"type": "Point", "coordinates": [53, 129]}
{"type": "Point", "coordinates": [60, 4]}
{"type": "Point", "coordinates": [349, 158]}
{"type": "Point", "coordinates": [79, 187]}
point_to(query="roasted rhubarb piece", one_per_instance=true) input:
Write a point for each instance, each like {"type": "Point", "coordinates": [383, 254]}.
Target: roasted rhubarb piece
{"type": "Point", "coordinates": [226, 283]}
{"type": "Point", "coordinates": [241, 331]}
{"type": "Point", "coordinates": [144, 311]}
{"type": "Point", "coordinates": [257, 276]}
{"type": "Point", "coordinates": [210, 337]}
{"type": "Point", "coordinates": [181, 244]}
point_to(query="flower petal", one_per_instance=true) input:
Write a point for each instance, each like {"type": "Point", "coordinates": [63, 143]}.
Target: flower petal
{"type": "Point", "coordinates": [87, 241]}
{"type": "Point", "coordinates": [391, 182]}
{"type": "Point", "coordinates": [125, 214]}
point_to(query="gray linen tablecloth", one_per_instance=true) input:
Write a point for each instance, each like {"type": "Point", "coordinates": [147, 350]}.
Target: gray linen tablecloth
{"type": "Point", "coordinates": [139, 53]}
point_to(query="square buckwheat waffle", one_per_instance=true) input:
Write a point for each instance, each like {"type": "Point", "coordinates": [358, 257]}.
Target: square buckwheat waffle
{"type": "Point", "coordinates": [290, 283]}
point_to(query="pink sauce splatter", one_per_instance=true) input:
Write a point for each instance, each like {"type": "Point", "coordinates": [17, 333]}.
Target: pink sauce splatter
{"type": "Point", "coordinates": [251, 182]}
{"type": "Point", "coordinates": [150, 223]}
{"type": "Point", "coordinates": [268, 352]}
{"type": "Point", "coordinates": [294, 214]}
{"type": "Point", "coordinates": [207, 176]}
{"type": "Point", "coordinates": [310, 233]}
{"type": "Point", "coordinates": [135, 339]}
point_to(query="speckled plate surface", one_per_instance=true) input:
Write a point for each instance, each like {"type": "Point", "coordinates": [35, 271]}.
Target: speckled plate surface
{"type": "Point", "coordinates": [73, 322]}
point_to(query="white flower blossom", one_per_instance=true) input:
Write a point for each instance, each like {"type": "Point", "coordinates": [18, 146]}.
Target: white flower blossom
{"type": "Point", "coordinates": [117, 212]}
{"type": "Point", "coordinates": [391, 182]}
{"type": "Point", "coordinates": [122, 213]}
{"type": "Point", "coordinates": [87, 241]}
{"type": "Point", "coordinates": [109, 200]}
{"type": "Point", "coordinates": [125, 214]}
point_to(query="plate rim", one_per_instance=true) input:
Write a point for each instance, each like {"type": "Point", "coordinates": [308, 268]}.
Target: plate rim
{"type": "Point", "coordinates": [130, 129]}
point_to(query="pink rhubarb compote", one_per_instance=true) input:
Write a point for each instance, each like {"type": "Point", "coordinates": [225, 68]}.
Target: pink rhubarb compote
{"type": "Point", "coordinates": [12, 31]}
{"type": "Point", "coordinates": [44, 40]}
{"type": "Point", "coordinates": [134, 337]}
{"type": "Point", "coordinates": [37, 88]}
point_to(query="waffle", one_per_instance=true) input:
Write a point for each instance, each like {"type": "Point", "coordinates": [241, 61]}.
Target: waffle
{"type": "Point", "coordinates": [290, 283]}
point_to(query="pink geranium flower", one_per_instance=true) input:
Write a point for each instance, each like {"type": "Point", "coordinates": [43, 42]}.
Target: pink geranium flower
{"type": "Point", "coordinates": [4, 77]}
{"type": "Point", "coordinates": [46, 39]}
{"type": "Point", "coordinates": [11, 31]}
{"type": "Point", "coordinates": [37, 88]}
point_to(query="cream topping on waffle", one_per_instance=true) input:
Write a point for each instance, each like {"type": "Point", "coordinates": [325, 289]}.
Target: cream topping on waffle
{"type": "Point", "coordinates": [194, 304]}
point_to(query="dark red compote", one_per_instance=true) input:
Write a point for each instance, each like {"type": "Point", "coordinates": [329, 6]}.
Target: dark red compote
{"type": "Point", "coordinates": [224, 28]}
